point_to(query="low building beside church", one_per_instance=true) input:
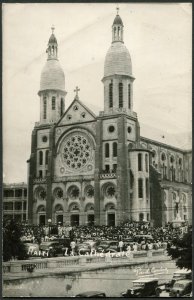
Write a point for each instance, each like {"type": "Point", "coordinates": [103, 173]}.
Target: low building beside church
{"type": "Point", "coordinates": [88, 169]}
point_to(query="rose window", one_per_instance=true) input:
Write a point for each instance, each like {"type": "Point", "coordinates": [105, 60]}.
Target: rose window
{"type": "Point", "coordinates": [110, 191]}
{"type": "Point", "coordinates": [74, 192]}
{"type": "Point", "coordinates": [77, 151]}
{"type": "Point", "coordinates": [59, 193]}
{"type": "Point", "coordinates": [42, 194]}
{"type": "Point", "coordinates": [90, 192]}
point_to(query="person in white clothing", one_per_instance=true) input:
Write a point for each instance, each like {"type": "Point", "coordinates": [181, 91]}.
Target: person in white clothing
{"type": "Point", "coordinates": [121, 245]}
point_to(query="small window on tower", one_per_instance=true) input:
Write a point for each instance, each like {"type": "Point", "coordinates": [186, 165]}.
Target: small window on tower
{"type": "Point", "coordinates": [111, 95]}
{"type": "Point", "coordinates": [44, 108]}
{"type": "Point", "coordinates": [140, 188]}
{"type": "Point", "coordinates": [120, 94]}
{"type": "Point", "coordinates": [129, 96]}
{"type": "Point", "coordinates": [53, 103]}
{"type": "Point", "coordinates": [62, 106]}
{"type": "Point", "coordinates": [107, 150]}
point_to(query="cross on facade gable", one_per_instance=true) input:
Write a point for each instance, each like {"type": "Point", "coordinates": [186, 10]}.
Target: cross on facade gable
{"type": "Point", "coordinates": [76, 91]}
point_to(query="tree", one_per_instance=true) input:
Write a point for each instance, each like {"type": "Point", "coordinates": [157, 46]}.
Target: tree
{"type": "Point", "coordinates": [13, 247]}
{"type": "Point", "coordinates": [181, 251]}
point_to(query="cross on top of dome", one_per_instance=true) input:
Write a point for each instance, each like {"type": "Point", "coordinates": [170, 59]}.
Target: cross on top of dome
{"type": "Point", "coordinates": [117, 8]}
{"type": "Point", "coordinates": [53, 28]}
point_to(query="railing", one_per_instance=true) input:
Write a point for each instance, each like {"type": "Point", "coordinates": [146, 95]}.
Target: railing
{"type": "Point", "coordinates": [140, 254]}
{"type": "Point", "coordinates": [20, 266]}
{"type": "Point", "coordinates": [39, 180]}
{"type": "Point", "coordinates": [108, 176]}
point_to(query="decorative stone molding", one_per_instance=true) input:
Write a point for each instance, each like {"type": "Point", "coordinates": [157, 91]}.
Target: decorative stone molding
{"type": "Point", "coordinates": [108, 176]}
{"type": "Point", "coordinates": [39, 180]}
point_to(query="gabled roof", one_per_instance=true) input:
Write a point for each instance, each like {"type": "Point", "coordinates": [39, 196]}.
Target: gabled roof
{"type": "Point", "coordinates": [79, 115]}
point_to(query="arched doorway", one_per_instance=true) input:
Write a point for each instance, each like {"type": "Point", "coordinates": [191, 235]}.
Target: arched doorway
{"type": "Point", "coordinates": [90, 214]}
{"type": "Point", "coordinates": [74, 215]}
{"type": "Point", "coordinates": [41, 213]}
{"type": "Point", "coordinates": [59, 214]}
{"type": "Point", "coordinates": [110, 214]}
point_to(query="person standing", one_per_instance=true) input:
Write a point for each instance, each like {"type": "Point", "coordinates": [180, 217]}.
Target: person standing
{"type": "Point", "coordinates": [121, 245]}
{"type": "Point", "coordinates": [73, 245]}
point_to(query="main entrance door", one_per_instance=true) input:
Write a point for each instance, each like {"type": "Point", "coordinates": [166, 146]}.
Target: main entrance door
{"type": "Point", "coordinates": [74, 220]}
{"type": "Point", "coordinates": [59, 219]}
{"type": "Point", "coordinates": [91, 219]}
{"type": "Point", "coordinates": [111, 219]}
{"type": "Point", "coordinates": [42, 219]}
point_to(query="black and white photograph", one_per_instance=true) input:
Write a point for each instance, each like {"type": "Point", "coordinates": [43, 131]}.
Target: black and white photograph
{"type": "Point", "coordinates": [97, 150]}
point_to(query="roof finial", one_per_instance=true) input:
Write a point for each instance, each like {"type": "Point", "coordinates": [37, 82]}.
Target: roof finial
{"type": "Point", "coordinates": [53, 28]}
{"type": "Point", "coordinates": [117, 8]}
{"type": "Point", "coordinates": [76, 91]}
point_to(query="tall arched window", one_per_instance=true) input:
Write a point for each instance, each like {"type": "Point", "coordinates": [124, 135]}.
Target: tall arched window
{"type": "Point", "coordinates": [40, 157]}
{"type": "Point", "coordinates": [107, 150]}
{"type": "Point", "coordinates": [147, 188]}
{"type": "Point", "coordinates": [44, 108]}
{"type": "Point", "coordinates": [111, 94]}
{"type": "Point", "coordinates": [129, 96]}
{"type": "Point", "coordinates": [140, 188]}
{"type": "Point", "coordinates": [114, 149]}
{"type": "Point", "coordinates": [53, 103]}
{"type": "Point", "coordinates": [46, 157]}
{"type": "Point", "coordinates": [139, 162]}
{"type": "Point", "coordinates": [146, 162]}
{"type": "Point", "coordinates": [120, 94]}
{"type": "Point", "coordinates": [62, 106]}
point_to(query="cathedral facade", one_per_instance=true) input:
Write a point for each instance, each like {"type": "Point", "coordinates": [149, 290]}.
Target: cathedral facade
{"type": "Point", "coordinates": [88, 169]}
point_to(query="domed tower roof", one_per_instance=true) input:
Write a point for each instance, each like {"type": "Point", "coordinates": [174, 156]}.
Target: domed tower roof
{"type": "Point", "coordinates": [117, 60]}
{"type": "Point", "coordinates": [52, 39]}
{"type": "Point", "coordinates": [118, 20]}
{"type": "Point", "coordinates": [52, 75]}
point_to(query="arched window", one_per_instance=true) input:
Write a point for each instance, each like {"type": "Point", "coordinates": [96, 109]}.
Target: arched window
{"type": "Point", "coordinates": [120, 94]}
{"type": "Point", "coordinates": [62, 106]}
{"type": "Point", "coordinates": [44, 108]}
{"type": "Point", "coordinates": [46, 157]}
{"type": "Point", "coordinates": [147, 188]}
{"type": "Point", "coordinates": [139, 162]}
{"type": "Point", "coordinates": [53, 103]}
{"type": "Point", "coordinates": [114, 149]}
{"type": "Point", "coordinates": [140, 188]}
{"type": "Point", "coordinates": [129, 96]}
{"type": "Point", "coordinates": [40, 158]}
{"type": "Point", "coordinates": [107, 150]}
{"type": "Point", "coordinates": [111, 94]}
{"type": "Point", "coordinates": [146, 162]}
{"type": "Point", "coordinates": [141, 217]}
{"type": "Point", "coordinates": [173, 174]}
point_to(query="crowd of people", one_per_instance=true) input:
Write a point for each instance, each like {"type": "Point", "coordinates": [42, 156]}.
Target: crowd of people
{"type": "Point", "coordinates": [152, 237]}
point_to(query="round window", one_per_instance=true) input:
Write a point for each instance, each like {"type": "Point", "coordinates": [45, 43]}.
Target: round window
{"type": "Point", "coordinates": [129, 129]}
{"type": "Point", "coordinates": [42, 194]}
{"type": "Point", "coordinates": [75, 107]}
{"type": "Point", "coordinates": [111, 128]}
{"type": "Point", "coordinates": [44, 139]}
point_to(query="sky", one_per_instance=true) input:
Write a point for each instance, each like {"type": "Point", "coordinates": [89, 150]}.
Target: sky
{"type": "Point", "coordinates": [158, 37]}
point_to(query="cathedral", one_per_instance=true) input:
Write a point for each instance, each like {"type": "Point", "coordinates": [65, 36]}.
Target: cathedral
{"type": "Point", "coordinates": [86, 169]}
